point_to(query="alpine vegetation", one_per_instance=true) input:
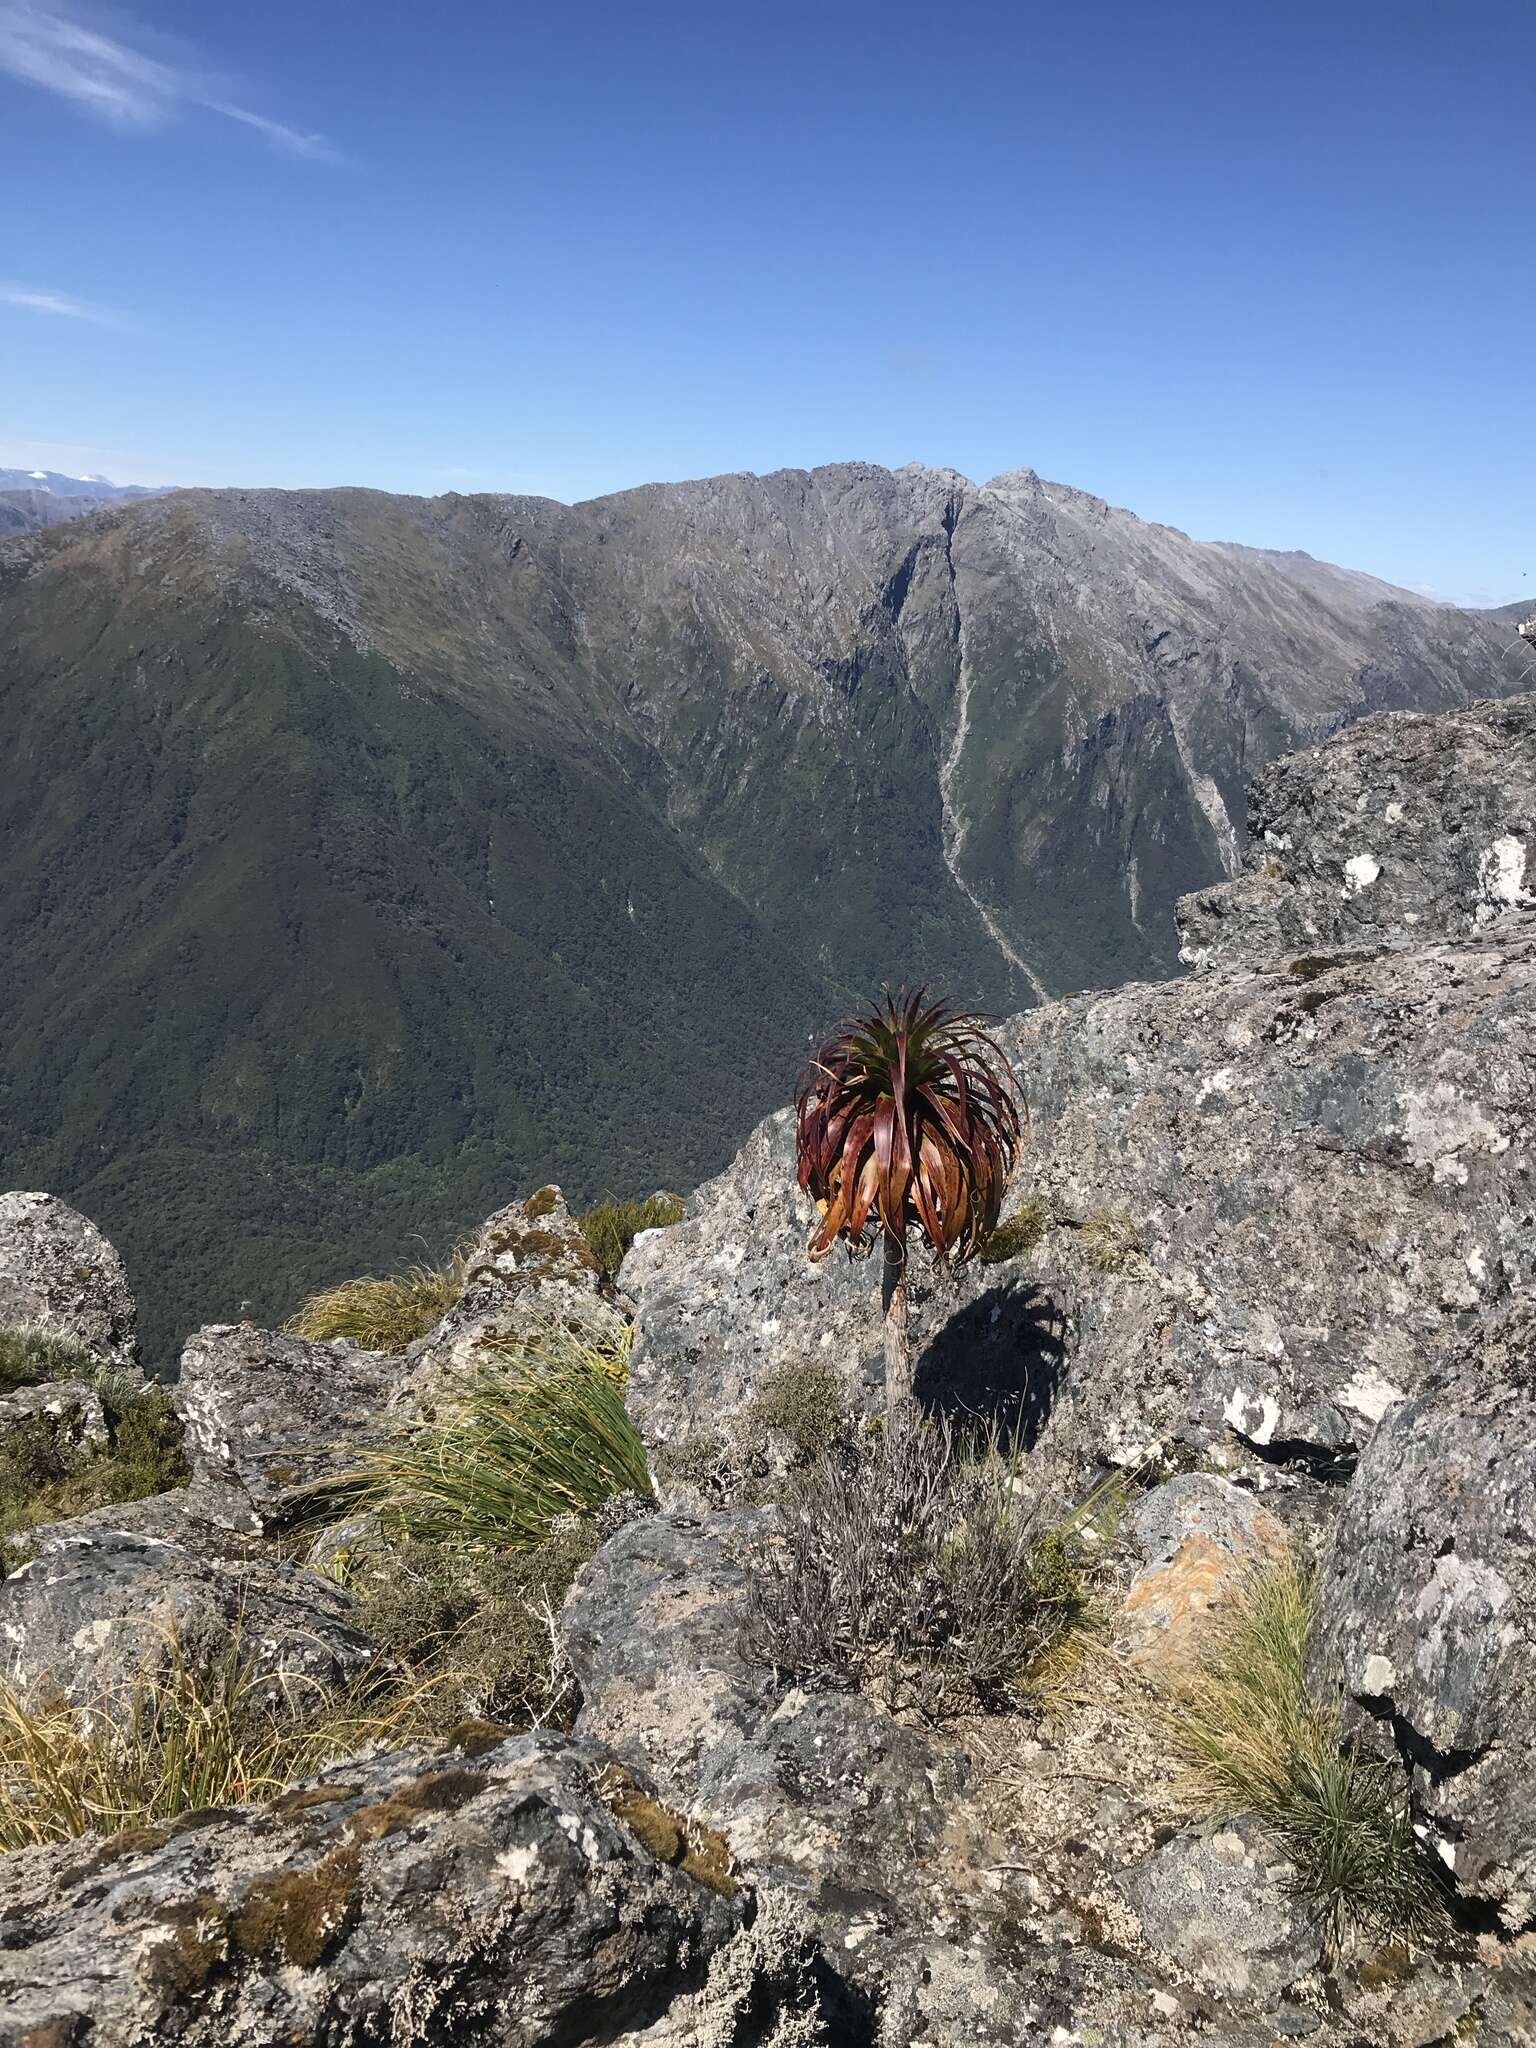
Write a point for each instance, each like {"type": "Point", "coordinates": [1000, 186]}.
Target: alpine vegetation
{"type": "Point", "coordinates": [906, 1119]}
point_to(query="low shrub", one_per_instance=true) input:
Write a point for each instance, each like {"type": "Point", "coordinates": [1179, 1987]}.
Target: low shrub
{"type": "Point", "coordinates": [910, 1566]}
{"type": "Point", "coordinates": [184, 1739]}
{"type": "Point", "coordinates": [478, 1622]}
{"type": "Point", "coordinates": [804, 1402]}
{"type": "Point", "coordinates": [1018, 1233]}
{"type": "Point", "coordinates": [382, 1315]}
{"type": "Point", "coordinates": [538, 1433]}
{"type": "Point", "coordinates": [44, 1478]}
{"type": "Point", "coordinates": [1255, 1740]}
{"type": "Point", "coordinates": [610, 1228]}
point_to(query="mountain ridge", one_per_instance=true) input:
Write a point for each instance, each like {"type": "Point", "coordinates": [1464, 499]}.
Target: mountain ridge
{"type": "Point", "coordinates": [378, 853]}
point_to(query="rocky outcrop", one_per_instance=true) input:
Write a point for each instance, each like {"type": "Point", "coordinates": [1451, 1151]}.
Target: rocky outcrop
{"type": "Point", "coordinates": [269, 1418]}
{"type": "Point", "coordinates": [529, 1271]}
{"type": "Point", "coordinates": [1225, 1907]}
{"type": "Point", "coordinates": [58, 1273]}
{"type": "Point", "coordinates": [1400, 827]}
{"type": "Point", "coordinates": [488, 1893]}
{"type": "Point", "coordinates": [97, 1615]}
{"type": "Point", "coordinates": [1427, 1619]}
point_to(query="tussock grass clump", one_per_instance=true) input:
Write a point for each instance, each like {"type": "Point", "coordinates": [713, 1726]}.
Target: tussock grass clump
{"type": "Point", "coordinates": [1255, 1740]}
{"type": "Point", "coordinates": [538, 1433]}
{"type": "Point", "coordinates": [382, 1315]}
{"type": "Point", "coordinates": [610, 1228]}
{"type": "Point", "coordinates": [183, 1739]}
{"type": "Point", "coordinates": [1018, 1233]}
{"type": "Point", "coordinates": [911, 1566]}
{"type": "Point", "coordinates": [33, 1357]}
{"type": "Point", "coordinates": [1111, 1238]}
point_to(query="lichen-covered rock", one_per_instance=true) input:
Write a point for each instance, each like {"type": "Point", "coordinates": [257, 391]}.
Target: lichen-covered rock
{"type": "Point", "coordinates": [530, 1270]}
{"type": "Point", "coordinates": [1200, 1537]}
{"type": "Point", "coordinates": [1427, 1611]}
{"type": "Point", "coordinates": [414, 1897]}
{"type": "Point", "coordinates": [59, 1273]}
{"type": "Point", "coordinates": [269, 1417]}
{"type": "Point", "coordinates": [1404, 826]}
{"type": "Point", "coordinates": [1224, 1907]}
{"type": "Point", "coordinates": [93, 1615]}
{"type": "Point", "coordinates": [70, 1412]}
{"type": "Point", "coordinates": [1275, 1198]}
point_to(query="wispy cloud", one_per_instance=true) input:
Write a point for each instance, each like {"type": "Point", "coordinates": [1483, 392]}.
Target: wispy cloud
{"type": "Point", "coordinates": [124, 77]}
{"type": "Point", "coordinates": [60, 305]}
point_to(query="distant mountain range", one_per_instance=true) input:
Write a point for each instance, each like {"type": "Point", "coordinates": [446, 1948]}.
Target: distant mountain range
{"type": "Point", "coordinates": [373, 857]}
{"type": "Point", "coordinates": [32, 498]}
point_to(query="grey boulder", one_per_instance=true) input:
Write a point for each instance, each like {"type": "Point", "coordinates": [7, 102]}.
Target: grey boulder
{"type": "Point", "coordinates": [1427, 1613]}
{"type": "Point", "coordinates": [93, 1617]}
{"type": "Point", "coordinates": [529, 1271]}
{"type": "Point", "coordinates": [1400, 825]}
{"type": "Point", "coordinates": [58, 1273]}
{"type": "Point", "coordinates": [269, 1418]}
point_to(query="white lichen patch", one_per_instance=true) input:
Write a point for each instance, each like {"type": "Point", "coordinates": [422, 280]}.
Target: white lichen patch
{"type": "Point", "coordinates": [1378, 1676]}
{"type": "Point", "coordinates": [1370, 1394]}
{"type": "Point", "coordinates": [518, 1865]}
{"type": "Point", "coordinates": [1360, 871]}
{"type": "Point", "coordinates": [1439, 1123]}
{"type": "Point", "coordinates": [1255, 1416]}
{"type": "Point", "coordinates": [1501, 879]}
{"type": "Point", "coordinates": [1219, 1083]}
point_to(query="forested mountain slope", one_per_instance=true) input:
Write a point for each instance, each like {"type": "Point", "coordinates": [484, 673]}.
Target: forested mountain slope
{"type": "Point", "coordinates": [365, 857]}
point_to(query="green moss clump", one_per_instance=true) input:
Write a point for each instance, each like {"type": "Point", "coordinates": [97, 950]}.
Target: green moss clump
{"type": "Point", "coordinates": [700, 1852]}
{"type": "Point", "coordinates": [297, 1917]}
{"type": "Point", "coordinates": [1018, 1233]}
{"type": "Point", "coordinates": [803, 1401]}
{"type": "Point", "coordinates": [541, 1203]}
{"type": "Point", "coordinates": [1111, 1239]}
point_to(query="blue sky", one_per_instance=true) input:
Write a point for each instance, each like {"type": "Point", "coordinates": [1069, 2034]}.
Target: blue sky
{"type": "Point", "coordinates": [1261, 271]}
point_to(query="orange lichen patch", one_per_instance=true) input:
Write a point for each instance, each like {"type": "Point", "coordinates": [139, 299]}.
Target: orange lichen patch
{"type": "Point", "coordinates": [1169, 1609]}
{"type": "Point", "coordinates": [699, 1852]}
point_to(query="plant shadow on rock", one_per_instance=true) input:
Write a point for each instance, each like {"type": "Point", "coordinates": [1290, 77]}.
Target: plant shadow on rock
{"type": "Point", "coordinates": [998, 1361]}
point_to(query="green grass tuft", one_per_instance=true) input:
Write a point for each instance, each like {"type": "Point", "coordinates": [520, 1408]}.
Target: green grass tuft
{"type": "Point", "coordinates": [1256, 1741]}
{"type": "Point", "coordinates": [1111, 1238]}
{"type": "Point", "coordinates": [32, 1357]}
{"type": "Point", "coordinates": [181, 1740]}
{"type": "Point", "coordinates": [612, 1227]}
{"type": "Point", "coordinates": [538, 1433]}
{"type": "Point", "coordinates": [382, 1315]}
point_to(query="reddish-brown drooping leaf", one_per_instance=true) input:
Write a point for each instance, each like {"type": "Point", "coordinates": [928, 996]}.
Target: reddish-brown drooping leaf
{"type": "Point", "coordinates": [907, 1117]}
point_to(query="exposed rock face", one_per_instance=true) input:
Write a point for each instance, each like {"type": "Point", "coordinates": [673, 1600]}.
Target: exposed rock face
{"type": "Point", "coordinates": [1200, 1144]}
{"type": "Point", "coordinates": [1399, 827]}
{"type": "Point", "coordinates": [530, 1271]}
{"type": "Point", "coordinates": [70, 1412]}
{"type": "Point", "coordinates": [1427, 1617]}
{"type": "Point", "coordinates": [57, 1271]}
{"type": "Point", "coordinates": [413, 1897]}
{"type": "Point", "coordinates": [269, 1416]}
{"type": "Point", "coordinates": [94, 1613]}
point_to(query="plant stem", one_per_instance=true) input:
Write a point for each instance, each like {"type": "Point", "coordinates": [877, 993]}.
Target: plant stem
{"type": "Point", "coordinates": [898, 1350]}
